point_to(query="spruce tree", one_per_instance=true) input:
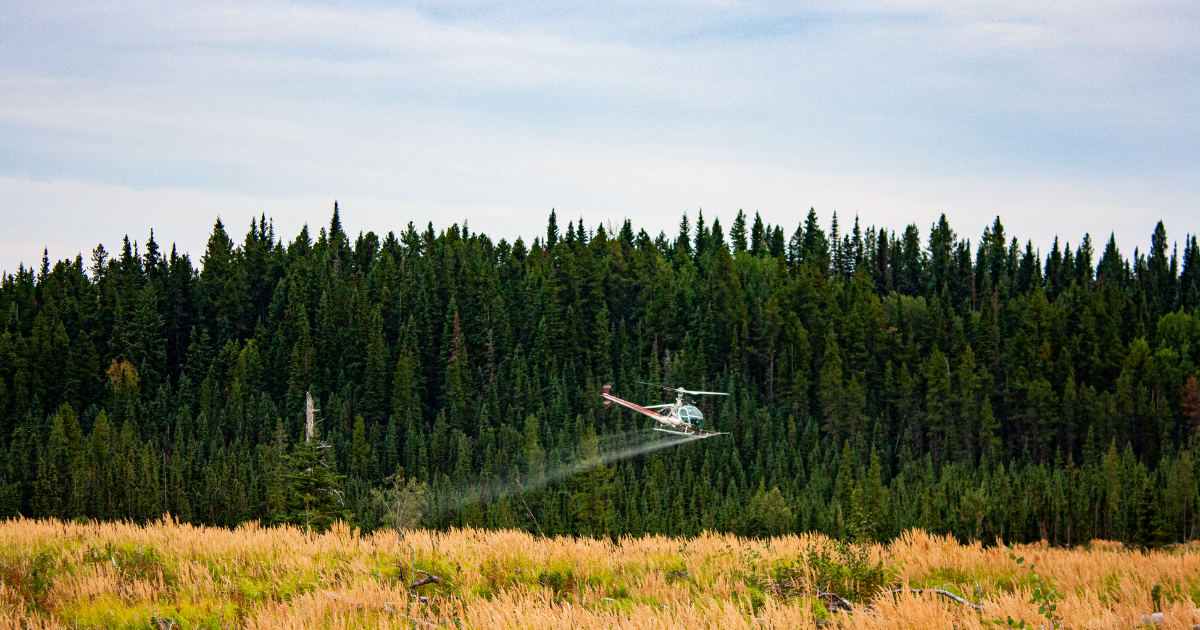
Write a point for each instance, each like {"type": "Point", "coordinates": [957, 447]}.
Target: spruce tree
{"type": "Point", "coordinates": [737, 233]}
{"type": "Point", "coordinates": [315, 496]}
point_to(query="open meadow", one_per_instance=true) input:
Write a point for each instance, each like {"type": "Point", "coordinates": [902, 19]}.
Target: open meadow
{"type": "Point", "coordinates": [168, 575]}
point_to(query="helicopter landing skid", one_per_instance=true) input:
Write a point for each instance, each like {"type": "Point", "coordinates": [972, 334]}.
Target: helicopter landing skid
{"type": "Point", "coordinates": [695, 433]}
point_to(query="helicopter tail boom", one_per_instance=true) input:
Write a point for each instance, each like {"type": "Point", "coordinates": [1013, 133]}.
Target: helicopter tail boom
{"type": "Point", "coordinates": [609, 399]}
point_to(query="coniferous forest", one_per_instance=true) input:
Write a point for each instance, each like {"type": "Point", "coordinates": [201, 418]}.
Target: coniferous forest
{"type": "Point", "coordinates": [880, 380]}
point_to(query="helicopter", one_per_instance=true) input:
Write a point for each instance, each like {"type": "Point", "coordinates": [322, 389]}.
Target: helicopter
{"type": "Point", "coordinates": [677, 418]}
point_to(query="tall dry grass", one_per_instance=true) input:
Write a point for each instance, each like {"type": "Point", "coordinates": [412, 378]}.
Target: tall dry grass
{"type": "Point", "coordinates": [171, 575]}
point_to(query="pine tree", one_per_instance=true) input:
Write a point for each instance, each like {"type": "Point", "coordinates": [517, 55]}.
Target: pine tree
{"type": "Point", "coordinates": [1189, 277]}
{"type": "Point", "coordinates": [1151, 529]}
{"type": "Point", "coordinates": [758, 237]}
{"type": "Point", "coordinates": [551, 231]}
{"type": "Point", "coordinates": [1112, 266]}
{"type": "Point", "coordinates": [684, 240]}
{"type": "Point", "coordinates": [376, 385]}
{"type": "Point", "coordinates": [776, 247]}
{"type": "Point", "coordinates": [816, 248]}
{"type": "Point", "coordinates": [594, 484]}
{"type": "Point", "coordinates": [939, 418]}
{"type": "Point", "coordinates": [941, 245]}
{"type": "Point", "coordinates": [360, 450]}
{"type": "Point", "coordinates": [1160, 281]}
{"type": "Point", "coordinates": [795, 247]}
{"type": "Point", "coordinates": [57, 483]}
{"type": "Point", "coordinates": [148, 348]}
{"type": "Point", "coordinates": [703, 235]}
{"type": "Point", "coordinates": [315, 497]}
{"type": "Point", "coordinates": [737, 234]}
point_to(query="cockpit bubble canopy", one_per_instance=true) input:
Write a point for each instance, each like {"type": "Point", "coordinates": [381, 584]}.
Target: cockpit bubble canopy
{"type": "Point", "coordinates": [689, 413]}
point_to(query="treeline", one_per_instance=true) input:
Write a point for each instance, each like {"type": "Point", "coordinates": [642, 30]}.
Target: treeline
{"type": "Point", "coordinates": [879, 381]}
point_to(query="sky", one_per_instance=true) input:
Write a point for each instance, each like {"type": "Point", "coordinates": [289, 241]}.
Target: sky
{"type": "Point", "coordinates": [123, 116]}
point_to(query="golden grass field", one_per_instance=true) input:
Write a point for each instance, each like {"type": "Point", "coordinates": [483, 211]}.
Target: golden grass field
{"type": "Point", "coordinates": [167, 575]}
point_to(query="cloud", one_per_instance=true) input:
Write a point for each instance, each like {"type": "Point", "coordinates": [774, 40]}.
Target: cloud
{"type": "Point", "coordinates": [894, 110]}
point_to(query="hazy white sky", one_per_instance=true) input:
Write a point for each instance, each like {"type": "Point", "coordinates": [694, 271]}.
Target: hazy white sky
{"type": "Point", "coordinates": [121, 116]}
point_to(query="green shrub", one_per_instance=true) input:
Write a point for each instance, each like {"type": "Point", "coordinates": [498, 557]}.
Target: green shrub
{"type": "Point", "coordinates": [838, 568]}
{"type": "Point", "coordinates": [557, 582]}
{"type": "Point", "coordinates": [30, 575]}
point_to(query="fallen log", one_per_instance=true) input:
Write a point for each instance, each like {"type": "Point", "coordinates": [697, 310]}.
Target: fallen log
{"type": "Point", "coordinates": [946, 594]}
{"type": "Point", "coordinates": [836, 602]}
{"type": "Point", "coordinates": [428, 579]}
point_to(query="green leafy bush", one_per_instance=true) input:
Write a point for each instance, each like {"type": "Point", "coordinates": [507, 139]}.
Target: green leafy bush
{"type": "Point", "coordinates": [836, 568]}
{"type": "Point", "coordinates": [1044, 595]}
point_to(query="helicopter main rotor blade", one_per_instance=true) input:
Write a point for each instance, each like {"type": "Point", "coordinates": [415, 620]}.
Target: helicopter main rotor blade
{"type": "Point", "coordinates": [681, 390]}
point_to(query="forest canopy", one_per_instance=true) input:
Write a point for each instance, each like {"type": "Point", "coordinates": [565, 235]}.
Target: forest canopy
{"type": "Point", "coordinates": [880, 380]}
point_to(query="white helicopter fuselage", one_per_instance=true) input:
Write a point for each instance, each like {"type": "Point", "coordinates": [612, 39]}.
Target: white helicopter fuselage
{"type": "Point", "coordinates": [678, 418]}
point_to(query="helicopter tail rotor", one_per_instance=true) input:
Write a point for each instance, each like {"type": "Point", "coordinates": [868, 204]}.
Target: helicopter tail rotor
{"type": "Point", "coordinates": [607, 388]}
